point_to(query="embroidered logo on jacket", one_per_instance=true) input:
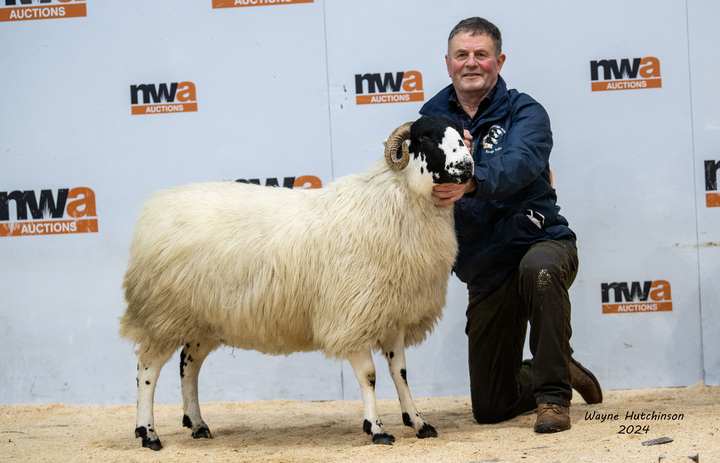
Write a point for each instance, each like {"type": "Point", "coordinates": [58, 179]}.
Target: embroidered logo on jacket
{"type": "Point", "coordinates": [492, 138]}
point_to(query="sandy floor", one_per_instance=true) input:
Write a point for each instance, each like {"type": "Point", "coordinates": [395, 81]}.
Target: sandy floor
{"type": "Point", "coordinates": [291, 431]}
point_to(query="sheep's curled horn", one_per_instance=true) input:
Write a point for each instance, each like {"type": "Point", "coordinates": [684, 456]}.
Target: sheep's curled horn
{"type": "Point", "coordinates": [397, 140]}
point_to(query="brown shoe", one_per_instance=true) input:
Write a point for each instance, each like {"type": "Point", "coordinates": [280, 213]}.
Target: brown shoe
{"type": "Point", "coordinates": [583, 381]}
{"type": "Point", "coordinates": [552, 418]}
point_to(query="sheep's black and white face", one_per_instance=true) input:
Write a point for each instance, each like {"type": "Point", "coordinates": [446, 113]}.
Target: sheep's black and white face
{"type": "Point", "coordinates": [437, 149]}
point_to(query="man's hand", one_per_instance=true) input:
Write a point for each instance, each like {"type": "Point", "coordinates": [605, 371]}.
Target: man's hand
{"type": "Point", "coordinates": [448, 193]}
{"type": "Point", "coordinates": [467, 137]}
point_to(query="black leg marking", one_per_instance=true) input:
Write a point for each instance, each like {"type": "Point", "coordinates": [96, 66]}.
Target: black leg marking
{"type": "Point", "coordinates": [186, 422]}
{"type": "Point", "coordinates": [406, 419]}
{"type": "Point", "coordinates": [403, 374]}
{"type": "Point", "coordinates": [367, 427]}
{"type": "Point", "coordinates": [183, 363]}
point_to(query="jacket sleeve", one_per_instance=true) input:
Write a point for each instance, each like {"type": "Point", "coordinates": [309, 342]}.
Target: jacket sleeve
{"type": "Point", "coordinates": [524, 153]}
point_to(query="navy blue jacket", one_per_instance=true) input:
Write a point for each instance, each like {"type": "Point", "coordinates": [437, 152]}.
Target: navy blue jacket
{"type": "Point", "coordinates": [498, 223]}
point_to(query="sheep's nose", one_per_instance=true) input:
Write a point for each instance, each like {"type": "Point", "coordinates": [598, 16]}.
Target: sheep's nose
{"type": "Point", "coordinates": [462, 170]}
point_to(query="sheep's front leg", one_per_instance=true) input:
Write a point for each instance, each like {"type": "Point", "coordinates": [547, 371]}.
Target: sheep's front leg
{"type": "Point", "coordinates": [394, 351]}
{"type": "Point", "coordinates": [364, 368]}
{"type": "Point", "coordinates": [148, 373]}
{"type": "Point", "coordinates": [192, 357]}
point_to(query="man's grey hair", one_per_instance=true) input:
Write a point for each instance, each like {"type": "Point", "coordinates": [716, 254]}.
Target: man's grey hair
{"type": "Point", "coordinates": [475, 26]}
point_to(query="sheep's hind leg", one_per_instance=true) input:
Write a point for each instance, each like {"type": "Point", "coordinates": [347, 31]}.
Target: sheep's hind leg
{"type": "Point", "coordinates": [364, 368]}
{"type": "Point", "coordinates": [394, 351]}
{"type": "Point", "coordinates": [191, 359]}
{"type": "Point", "coordinates": [148, 373]}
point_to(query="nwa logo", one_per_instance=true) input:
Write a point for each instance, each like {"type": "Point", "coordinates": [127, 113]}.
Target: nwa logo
{"type": "Point", "coordinates": [241, 3]}
{"type": "Point", "coordinates": [648, 296]}
{"type": "Point", "coordinates": [177, 97]}
{"type": "Point", "coordinates": [304, 181]}
{"type": "Point", "coordinates": [20, 10]}
{"type": "Point", "coordinates": [638, 73]}
{"type": "Point", "coordinates": [491, 140]}
{"type": "Point", "coordinates": [402, 87]}
{"type": "Point", "coordinates": [70, 210]}
{"type": "Point", "coordinates": [712, 197]}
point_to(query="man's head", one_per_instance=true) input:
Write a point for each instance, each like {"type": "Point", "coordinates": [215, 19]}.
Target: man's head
{"type": "Point", "coordinates": [474, 58]}
{"type": "Point", "coordinates": [478, 26]}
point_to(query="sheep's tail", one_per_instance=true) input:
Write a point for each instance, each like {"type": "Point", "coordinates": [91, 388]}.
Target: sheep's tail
{"type": "Point", "coordinates": [128, 330]}
{"type": "Point", "coordinates": [145, 339]}
{"type": "Point", "coordinates": [153, 335]}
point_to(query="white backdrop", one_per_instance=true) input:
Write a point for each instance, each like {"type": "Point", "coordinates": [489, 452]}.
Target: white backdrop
{"type": "Point", "coordinates": [276, 94]}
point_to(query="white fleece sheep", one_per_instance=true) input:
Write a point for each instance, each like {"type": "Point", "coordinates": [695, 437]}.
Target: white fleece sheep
{"type": "Point", "coordinates": [359, 265]}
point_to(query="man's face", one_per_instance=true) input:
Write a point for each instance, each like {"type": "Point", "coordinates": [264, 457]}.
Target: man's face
{"type": "Point", "coordinates": [472, 64]}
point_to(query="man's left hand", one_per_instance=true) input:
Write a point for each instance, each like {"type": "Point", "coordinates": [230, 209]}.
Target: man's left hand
{"type": "Point", "coordinates": [448, 193]}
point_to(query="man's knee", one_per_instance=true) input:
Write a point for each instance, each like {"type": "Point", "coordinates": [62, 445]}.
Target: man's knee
{"type": "Point", "coordinates": [490, 410]}
{"type": "Point", "coordinates": [548, 264]}
{"type": "Point", "coordinates": [538, 262]}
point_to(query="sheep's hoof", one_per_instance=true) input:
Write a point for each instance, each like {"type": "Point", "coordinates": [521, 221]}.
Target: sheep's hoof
{"type": "Point", "coordinates": [202, 433]}
{"type": "Point", "coordinates": [147, 442]}
{"type": "Point", "coordinates": [152, 444]}
{"type": "Point", "coordinates": [384, 439]}
{"type": "Point", "coordinates": [427, 431]}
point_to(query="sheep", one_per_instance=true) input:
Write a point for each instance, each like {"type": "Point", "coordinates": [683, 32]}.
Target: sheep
{"type": "Point", "coordinates": [357, 266]}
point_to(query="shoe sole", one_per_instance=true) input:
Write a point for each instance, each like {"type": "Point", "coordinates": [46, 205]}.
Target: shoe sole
{"type": "Point", "coordinates": [550, 428]}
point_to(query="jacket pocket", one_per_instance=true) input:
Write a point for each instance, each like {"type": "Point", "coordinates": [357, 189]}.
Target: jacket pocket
{"type": "Point", "coordinates": [519, 231]}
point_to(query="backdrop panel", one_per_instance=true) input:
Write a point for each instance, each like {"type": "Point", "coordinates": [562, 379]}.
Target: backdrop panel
{"type": "Point", "coordinates": [110, 101]}
{"type": "Point", "coordinates": [704, 36]}
{"type": "Point", "coordinates": [261, 114]}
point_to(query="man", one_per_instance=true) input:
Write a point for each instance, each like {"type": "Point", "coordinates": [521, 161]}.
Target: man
{"type": "Point", "coordinates": [517, 253]}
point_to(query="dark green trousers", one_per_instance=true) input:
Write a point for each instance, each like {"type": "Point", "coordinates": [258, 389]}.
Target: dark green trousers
{"type": "Point", "coordinates": [502, 385]}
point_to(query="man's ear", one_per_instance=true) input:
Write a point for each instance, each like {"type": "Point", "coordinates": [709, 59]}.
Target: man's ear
{"type": "Point", "coordinates": [500, 61]}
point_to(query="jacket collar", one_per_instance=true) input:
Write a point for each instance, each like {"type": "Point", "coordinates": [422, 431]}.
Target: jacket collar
{"type": "Point", "coordinates": [445, 103]}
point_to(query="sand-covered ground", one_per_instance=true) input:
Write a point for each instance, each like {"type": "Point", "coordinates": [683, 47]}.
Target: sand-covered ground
{"type": "Point", "coordinates": [293, 431]}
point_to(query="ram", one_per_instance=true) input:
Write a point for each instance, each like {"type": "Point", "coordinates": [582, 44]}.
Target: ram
{"type": "Point", "coordinates": [216, 264]}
